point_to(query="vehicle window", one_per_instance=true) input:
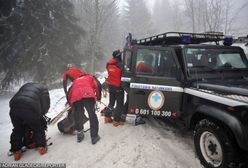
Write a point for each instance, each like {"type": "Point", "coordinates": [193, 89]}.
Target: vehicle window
{"type": "Point", "coordinates": [146, 61]}
{"type": "Point", "coordinates": [155, 62]}
{"type": "Point", "coordinates": [168, 65]}
{"type": "Point", "coordinates": [214, 59]}
{"type": "Point", "coordinates": [233, 59]}
{"type": "Point", "coordinates": [127, 61]}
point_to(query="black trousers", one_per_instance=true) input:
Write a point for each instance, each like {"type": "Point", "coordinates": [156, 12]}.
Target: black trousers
{"type": "Point", "coordinates": [21, 118]}
{"type": "Point", "coordinates": [116, 95]}
{"type": "Point", "coordinates": [78, 109]}
{"type": "Point", "coordinates": [125, 111]}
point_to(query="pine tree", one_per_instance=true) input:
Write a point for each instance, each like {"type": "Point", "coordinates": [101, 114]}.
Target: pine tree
{"type": "Point", "coordinates": [138, 19]}
{"type": "Point", "coordinates": [38, 39]}
{"type": "Point", "coordinates": [100, 21]}
{"type": "Point", "coordinates": [163, 16]}
{"type": "Point", "coordinates": [6, 7]}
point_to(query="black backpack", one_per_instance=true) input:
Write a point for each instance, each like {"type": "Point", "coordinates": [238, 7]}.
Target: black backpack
{"type": "Point", "coordinates": [67, 125]}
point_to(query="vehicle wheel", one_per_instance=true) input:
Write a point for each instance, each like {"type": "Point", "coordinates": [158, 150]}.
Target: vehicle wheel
{"type": "Point", "coordinates": [215, 147]}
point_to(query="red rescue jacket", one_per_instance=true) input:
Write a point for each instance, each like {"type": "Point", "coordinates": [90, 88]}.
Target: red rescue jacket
{"type": "Point", "coordinates": [143, 67]}
{"type": "Point", "coordinates": [83, 87]}
{"type": "Point", "coordinates": [114, 73]}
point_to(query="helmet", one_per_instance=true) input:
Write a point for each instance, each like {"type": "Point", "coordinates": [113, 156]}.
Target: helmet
{"type": "Point", "coordinates": [117, 54]}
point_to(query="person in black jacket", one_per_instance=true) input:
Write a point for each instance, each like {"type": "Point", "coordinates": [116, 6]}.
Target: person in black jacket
{"type": "Point", "coordinates": [27, 108]}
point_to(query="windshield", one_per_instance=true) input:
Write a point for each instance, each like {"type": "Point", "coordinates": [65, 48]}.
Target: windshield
{"type": "Point", "coordinates": [214, 59]}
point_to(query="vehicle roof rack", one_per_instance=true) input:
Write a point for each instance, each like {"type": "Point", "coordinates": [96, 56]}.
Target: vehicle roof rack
{"type": "Point", "coordinates": [174, 38]}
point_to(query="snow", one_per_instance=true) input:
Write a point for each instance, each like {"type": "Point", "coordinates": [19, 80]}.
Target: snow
{"type": "Point", "coordinates": [243, 46]}
{"type": "Point", "coordinates": [153, 144]}
{"type": "Point", "coordinates": [58, 101]}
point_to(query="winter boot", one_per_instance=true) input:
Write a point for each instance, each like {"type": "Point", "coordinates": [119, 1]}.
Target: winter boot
{"type": "Point", "coordinates": [116, 124]}
{"type": "Point", "coordinates": [80, 136]}
{"type": "Point", "coordinates": [95, 139]}
{"type": "Point", "coordinates": [121, 123]}
{"type": "Point", "coordinates": [108, 120]}
{"type": "Point", "coordinates": [17, 155]}
{"type": "Point", "coordinates": [42, 150]}
{"type": "Point", "coordinates": [139, 120]}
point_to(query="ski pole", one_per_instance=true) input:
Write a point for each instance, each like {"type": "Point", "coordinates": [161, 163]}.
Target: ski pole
{"type": "Point", "coordinates": [105, 105]}
{"type": "Point", "coordinates": [57, 103]}
{"type": "Point", "coordinates": [57, 117]}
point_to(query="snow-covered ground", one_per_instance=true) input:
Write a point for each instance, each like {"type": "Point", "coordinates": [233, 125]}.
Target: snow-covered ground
{"type": "Point", "coordinates": [153, 144]}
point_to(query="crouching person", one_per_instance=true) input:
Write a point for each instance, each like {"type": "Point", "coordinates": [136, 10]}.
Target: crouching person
{"type": "Point", "coordinates": [27, 108]}
{"type": "Point", "coordinates": [83, 94]}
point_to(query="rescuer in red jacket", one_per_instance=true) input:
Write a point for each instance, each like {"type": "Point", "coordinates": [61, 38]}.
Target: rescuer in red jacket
{"type": "Point", "coordinates": [83, 93]}
{"type": "Point", "coordinates": [146, 65]}
{"type": "Point", "coordinates": [116, 93]}
{"type": "Point", "coordinates": [71, 74]}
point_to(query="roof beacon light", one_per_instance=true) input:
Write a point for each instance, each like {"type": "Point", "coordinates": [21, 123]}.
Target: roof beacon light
{"type": "Point", "coordinates": [185, 39]}
{"type": "Point", "coordinates": [228, 40]}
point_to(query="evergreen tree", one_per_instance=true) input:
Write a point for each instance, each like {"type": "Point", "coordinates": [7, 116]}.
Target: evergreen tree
{"type": "Point", "coordinates": [163, 16]}
{"type": "Point", "coordinates": [38, 39]}
{"type": "Point", "coordinates": [6, 7]}
{"type": "Point", "coordinates": [138, 19]}
{"type": "Point", "coordinates": [100, 21]}
{"type": "Point", "coordinates": [110, 38]}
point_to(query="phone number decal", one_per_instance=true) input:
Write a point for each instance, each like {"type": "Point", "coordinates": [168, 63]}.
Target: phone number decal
{"type": "Point", "coordinates": [154, 112]}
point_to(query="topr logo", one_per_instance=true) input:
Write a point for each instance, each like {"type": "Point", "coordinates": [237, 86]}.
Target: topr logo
{"type": "Point", "coordinates": [156, 100]}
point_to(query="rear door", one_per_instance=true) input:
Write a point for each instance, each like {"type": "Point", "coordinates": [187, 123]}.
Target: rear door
{"type": "Point", "coordinates": [154, 88]}
{"type": "Point", "coordinates": [128, 70]}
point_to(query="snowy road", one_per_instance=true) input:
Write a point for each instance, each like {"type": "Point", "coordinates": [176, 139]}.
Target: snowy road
{"type": "Point", "coordinates": [153, 144]}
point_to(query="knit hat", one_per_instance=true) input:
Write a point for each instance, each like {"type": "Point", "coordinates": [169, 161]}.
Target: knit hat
{"type": "Point", "coordinates": [116, 54]}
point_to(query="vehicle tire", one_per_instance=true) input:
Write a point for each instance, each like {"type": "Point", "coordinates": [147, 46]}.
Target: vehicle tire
{"type": "Point", "coordinates": [215, 146]}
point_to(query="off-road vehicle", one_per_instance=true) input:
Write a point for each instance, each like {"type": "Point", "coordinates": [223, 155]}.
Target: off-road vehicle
{"type": "Point", "coordinates": [199, 85]}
